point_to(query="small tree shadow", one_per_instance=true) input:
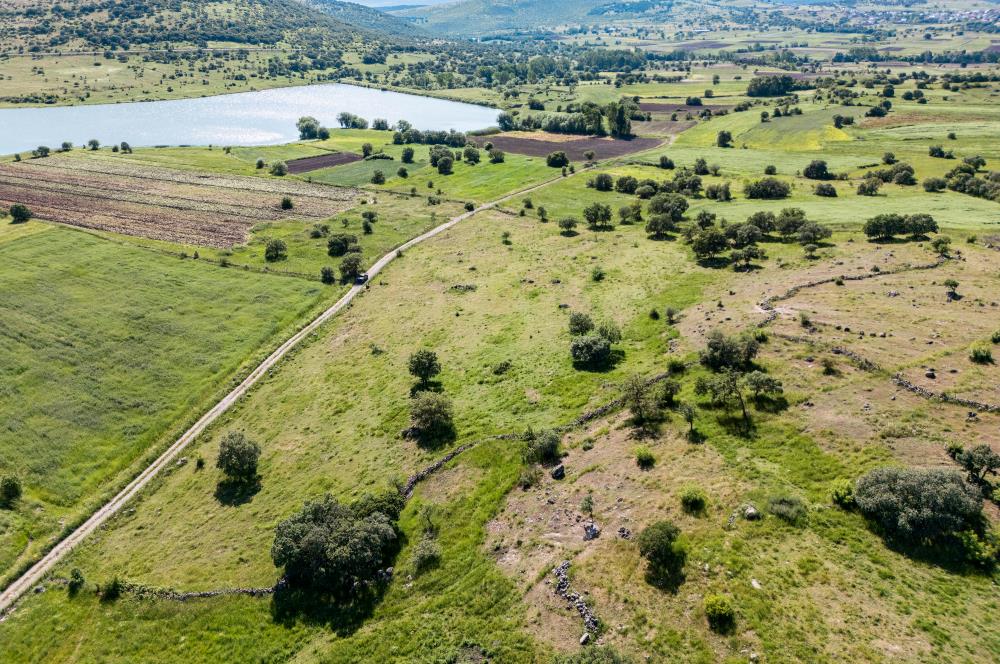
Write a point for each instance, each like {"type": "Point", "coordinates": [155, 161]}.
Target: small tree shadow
{"type": "Point", "coordinates": [235, 492]}
{"type": "Point", "coordinates": [429, 386]}
{"type": "Point", "coordinates": [290, 606]}
{"type": "Point", "coordinates": [615, 357]}
{"type": "Point", "coordinates": [715, 262]}
{"type": "Point", "coordinates": [433, 440]}
{"type": "Point", "coordinates": [666, 580]}
{"type": "Point", "coordinates": [771, 404]}
{"type": "Point", "coordinates": [568, 233]}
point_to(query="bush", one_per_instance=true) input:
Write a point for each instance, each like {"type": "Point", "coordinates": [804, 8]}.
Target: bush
{"type": "Point", "coordinates": [770, 170]}
{"type": "Point", "coordinates": [426, 554]}
{"type": "Point", "coordinates": [590, 350]}
{"type": "Point", "coordinates": [767, 189]}
{"type": "Point", "coordinates": [826, 190]}
{"type": "Point", "coordinates": [557, 160]}
{"type": "Point", "coordinates": [334, 548]}
{"type": "Point", "coordinates": [10, 490]}
{"type": "Point", "coordinates": [350, 266]}
{"type": "Point", "coordinates": [644, 457]}
{"type": "Point", "coordinates": [238, 456]}
{"type": "Point", "coordinates": [431, 416]}
{"type": "Point", "coordinates": [260, 164]}
{"type": "Point", "coordinates": [19, 214]}
{"type": "Point", "coordinates": [341, 244]}
{"type": "Point", "coordinates": [934, 185]}
{"type": "Point", "coordinates": [529, 477]}
{"type": "Point", "coordinates": [693, 499]}
{"type": "Point", "coordinates": [378, 177]}
{"type": "Point", "coordinates": [995, 338]}
{"type": "Point", "coordinates": [981, 354]}
{"type": "Point", "coordinates": [817, 170]}
{"type": "Point", "coordinates": [664, 554]}
{"type": "Point", "coordinates": [720, 613]}
{"type": "Point", "coordinates": [580, 323]}
{"type": "Point", "coordinates": [869, 187]}
{"type": "Point", "coordinates": [788, 508]}
{"type": "Point", "coordinates": [76, 581]}
{"type": "Point", "coordinates": [327, 275]}
{"type": "Point", "coordinates": [286, 203]}
{"type": "Point", "coordinates": [542, 447]}
{"type": "Point", "coordinates": [275, 250]}
{"type": "Point", "coordinates": [842, 493]}
{"type": "Point", "coordinates": [408, 155]}
{"type": "Point", "coordinates": [112, 590]}
{"type": "Point", "coordinates": [917, 506]}
{"type": "Point", "coordinates": [279, 168]}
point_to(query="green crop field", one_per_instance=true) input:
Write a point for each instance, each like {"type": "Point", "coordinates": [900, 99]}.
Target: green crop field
{"type": "Point", "coordinates": [109, 350]}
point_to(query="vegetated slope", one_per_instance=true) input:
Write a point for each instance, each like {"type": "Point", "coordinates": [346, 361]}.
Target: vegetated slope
{"type": "Point", "coordinates": [476, 17]}
{"type": "Point", "coordinates": [367, 17]}
{"type": "Point", "coordinates": [122, 24]}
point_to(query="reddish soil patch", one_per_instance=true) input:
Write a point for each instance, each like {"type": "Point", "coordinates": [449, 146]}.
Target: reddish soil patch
{"type": "Point", "coordinates": [604, 148]}
{"type": "Point", "coordinates": [680, 107]}
{"type": "Point", "coordinates": [307, 164]}
{"type": "Point", "coordinates": [992, 48]}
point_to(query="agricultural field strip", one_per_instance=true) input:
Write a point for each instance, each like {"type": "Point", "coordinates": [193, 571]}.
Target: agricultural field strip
{"type": "Point", "coordinates": [132, 195]}
{"type": "Point", "coordinates": [161, 203]}
{"type": "Point", "coordinates": [37, 571]}
{"type": "Point", "coordinates": [242, 183]}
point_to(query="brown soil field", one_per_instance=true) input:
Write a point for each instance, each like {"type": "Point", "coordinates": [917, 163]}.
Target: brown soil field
{"type": "Point", "coordinates": [159, 203]}
{"type": "Point", "coordinates": [680, 107]}
{"type": "Point", "coordinates": [307, 164]}
{"type": "Point", "coordinates": [604, 148]}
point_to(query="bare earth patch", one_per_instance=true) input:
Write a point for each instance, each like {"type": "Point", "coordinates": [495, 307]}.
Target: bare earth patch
{"type": "Point", "coordinates": [160, 203]}
{"type": "Point", "coordinates": [541, 144]}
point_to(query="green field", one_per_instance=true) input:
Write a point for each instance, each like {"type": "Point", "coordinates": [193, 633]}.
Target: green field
{"type": "Point", "coordinates": [109, 351]}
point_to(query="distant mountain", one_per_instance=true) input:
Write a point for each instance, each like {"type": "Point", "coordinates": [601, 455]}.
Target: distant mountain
{"type": "Point", "coordinates": [367, 17]}
{"type": "Point", "coordinates": [482, 17]}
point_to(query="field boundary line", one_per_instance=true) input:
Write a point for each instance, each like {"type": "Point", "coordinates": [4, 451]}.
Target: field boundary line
{"type": "Point", "coordinates": [41, 567]}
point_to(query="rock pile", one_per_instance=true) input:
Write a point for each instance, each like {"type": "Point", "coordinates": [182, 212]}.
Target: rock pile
{"type": "Point", "coordinates": [590, 621]}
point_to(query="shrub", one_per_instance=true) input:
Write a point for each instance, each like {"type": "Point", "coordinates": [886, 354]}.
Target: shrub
{"type": "Point", "coordinates": [666, 162]}
{"type": "Point", "coordinates": [76, 581]}
{"type": "Point", "coordinates": [112, 590]}
{"type": "Point", "coordinates": [842, 493]}
{"type": "Point", "coordinates": [361, 542]}
{"type": "Point", "coordinates": [260, 164]}
{"type": "Point", "coordinates": [287, 203]}
{"type": "Point", "coordinates": [664, 554]}
{"type": "Point", "coordinates": [407, 155]}
{"type": "Point", "coordinates": [693, 499]}
{"type": "Point", "coordinates": [580, 323]}
{"type": "Point", "coordinates": [238, 456]}
{"type": "Point", "coordinates": [431, 416]}
{"type": "Point", "coordinates": [720, 613]}
{"type": "Point", "coordinates": [590, 350]}
{"type": "Point", "coordinates": [378, 177]}
{"type": "Point", "coordinates": [426, 554]}
{"type": "Point", "coordinates": [350, 266]}
{"type": "Point", "coordinates": [933, 185]}
{"type": "Point", "coordinates": [529, 477]}
{"type": "Point", "coordinates": [869, 187]}
{"type": "Point", "coordinates": [995, 338]}
{"type": "Point", "coordinates": [981, 354]}
{"type": "Point", "coordinates": [788, 508]}
{"type": "Point", "coordinates": [817, 170]}
{"type": "Point", "coordinates": [603, 182]}
{"type": "Point", "coordinates": [10, 490]}
{"type": "Point", "coordinates": [19, 214]}
{"type": "Point", "coordinates": [770, 170]}
{"type": "Point", "coordinates": [275, 250]}
{"type": "Point", "coordinates": [557, 160]}
{"type": "Point", "coordinates": [767, 189]}
{"type": "Point", "coordinates": [341, 244]}
{"type": "Point", "coordinates": [279, 168]}
{"type": "Point", "coordinates": [644, 457]}
{"type": "Point", "coordinates": [918, 505]}
{"type": "Point", "coordinates": [826, 190]}
{"type": "Point", "coordinates": [542, 447]}
{"type": "Point", "coordinates": [327, 275]}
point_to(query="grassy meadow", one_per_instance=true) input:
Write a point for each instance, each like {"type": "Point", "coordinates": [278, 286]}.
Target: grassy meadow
{"type": "Point", "coordinates": [109, 350]}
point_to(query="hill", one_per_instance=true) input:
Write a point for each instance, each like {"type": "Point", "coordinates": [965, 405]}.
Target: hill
{"type": "Point", "coordinates": [479, 17]}
{"type": "Point", "coordinates": [368, 18]}
{"type": "Point", "coordinates": [123, 24]}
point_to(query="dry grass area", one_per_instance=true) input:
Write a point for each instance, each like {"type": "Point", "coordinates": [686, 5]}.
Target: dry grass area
{"type": "Point", "coordinates": [160, 203]}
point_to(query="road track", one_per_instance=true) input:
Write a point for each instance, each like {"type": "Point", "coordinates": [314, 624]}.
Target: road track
{"type": "Point", "coordinates": [38, 570]}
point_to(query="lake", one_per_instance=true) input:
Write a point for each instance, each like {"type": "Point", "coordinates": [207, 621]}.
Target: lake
{"type": "Point", "coordinates": [266, 117]}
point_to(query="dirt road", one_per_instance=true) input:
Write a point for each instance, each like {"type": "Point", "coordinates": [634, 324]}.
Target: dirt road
{"type": "Point", "coordinates": [36, 572]}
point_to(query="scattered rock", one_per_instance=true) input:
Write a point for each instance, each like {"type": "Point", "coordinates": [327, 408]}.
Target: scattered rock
{"type": "Point", "coordinates": [591, 531]}
{"type": "Point", "coordinates": [585, 638]}
{"type": "Point", "coordinates": [559, 472]}
{"type": "Point", "coordinates": [756, 584]}
{"type": "Point", "coordinates": [624, 533]}
{"type": "Point", "coordinates": [750, 513]}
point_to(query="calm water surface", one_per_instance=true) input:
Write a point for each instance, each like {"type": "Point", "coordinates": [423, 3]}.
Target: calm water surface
{"type": "Point", "coordinates": [248, 118]}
